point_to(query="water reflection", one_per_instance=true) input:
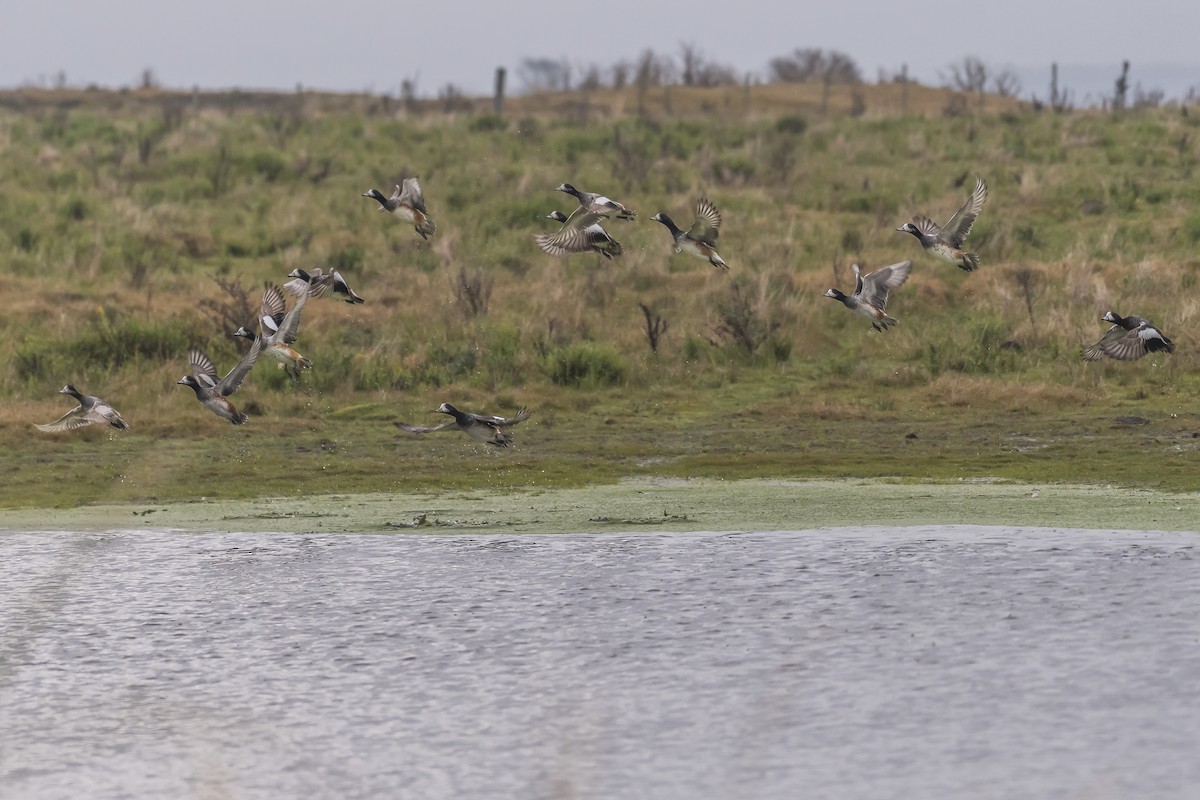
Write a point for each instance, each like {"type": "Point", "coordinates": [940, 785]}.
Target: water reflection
{"type": "Point", "coordinates": [933, 663]}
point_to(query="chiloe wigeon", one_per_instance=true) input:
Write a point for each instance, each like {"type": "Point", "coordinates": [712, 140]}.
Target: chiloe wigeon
{"type": "Point", "coordinates": [212, 393]}
{"type": "Point", "coordinates": [947, 243]}
{"type": "Point", "coordinates": [700, 239]}
{"type": "Point", "coordinates": [279, 330]}
{"type": "Point", "coordinates": [1129, 339]}
{"type": "Point", "coordinates": [407, 203]}
{"type": "Point", "coordinates": [592, 203]}
{"type": "Point", "coordinates": [318, 283]}
{"type": "Point", "coordinates": [579, 234]}
{"type": "Point", "coordinates": [493, 430]}
{"type": "Point", "coordinates": [91, 410]}
{"type": "Point", "coordinates": [871, 293]}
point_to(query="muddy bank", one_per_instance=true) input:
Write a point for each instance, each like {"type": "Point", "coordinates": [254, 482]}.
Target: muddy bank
{"type": "Point", "coordinates": [654, 505]}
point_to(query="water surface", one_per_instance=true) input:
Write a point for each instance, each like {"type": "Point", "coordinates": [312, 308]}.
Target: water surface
{"type": "Point", "coordinates": [948, 662]}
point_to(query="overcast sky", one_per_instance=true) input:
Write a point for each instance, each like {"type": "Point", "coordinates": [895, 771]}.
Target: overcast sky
{"type": "Point", "coordinates": [374, 44]}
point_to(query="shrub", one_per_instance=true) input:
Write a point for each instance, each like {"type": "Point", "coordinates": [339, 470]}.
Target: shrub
{"type": "Point", "coordinates": [584, 364]}
{"type": "Point", "coordinates": [487, 123]}
{"type": "Point", "coordinates": [792, 125]}
{"type": "Point", "coordinates": [109, 343]}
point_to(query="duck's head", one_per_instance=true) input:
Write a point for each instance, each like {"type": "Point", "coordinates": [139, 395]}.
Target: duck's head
{"type": "Point", "coordinates": [908, 227]}
{"type": "Point", "coordinates": [68, 389]}
{"type": "Point", "coordinates": [188, 380]}
{"type": "Point", "coordinates": [301, 274]}
{"type": "Point", "coordinates": [568, 188]}
{"type": "Point", "coordinates": [242, 332]}
{"type": "Point", "coordinates": [446, 408]}
{"type": "Point", "coordinates": [557, 216]}
{"type": "Point", "coordinates": [835, 294]}
{"type": "Point", "coordinates": [1111, 316]}
{"type": "Point", "coordinates": [374, 194]}
{"type": "Point", "coordinates": [665, 220]}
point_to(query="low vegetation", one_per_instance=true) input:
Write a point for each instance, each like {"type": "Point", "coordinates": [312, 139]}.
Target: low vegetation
{"type": "Point", "coordinates": [134, 225]}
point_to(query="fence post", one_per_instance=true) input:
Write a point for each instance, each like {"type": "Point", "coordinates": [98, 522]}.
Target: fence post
{"type": "Point", "coordinates": [498, 98]}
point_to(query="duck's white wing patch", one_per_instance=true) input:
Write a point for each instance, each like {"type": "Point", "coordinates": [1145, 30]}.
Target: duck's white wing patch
{"type": "Point", "coordinates": [506, 422]}
{"type": "Point", "coordinates": [1125, 346]}
{"type": "Point", "coordinates": [202, 367]}
{"type": "Point", "coordinates": [573, 237]}
{"type": "Point", "coordinates": [272, 302]}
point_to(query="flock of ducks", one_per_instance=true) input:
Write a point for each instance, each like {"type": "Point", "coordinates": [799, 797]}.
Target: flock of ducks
{"type": "Point", "coordinates": [1128, 339]}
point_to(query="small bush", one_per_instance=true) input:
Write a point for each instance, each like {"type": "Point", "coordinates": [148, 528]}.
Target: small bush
{"type": "Point", "coordinates": [792, 125]}
{"type": "Point", "coordinates": [585, 364]}
{"type": "Point", "coordinates": [487, 123]}
{"type": "Point", "coordinates": [110, 343]}
{"type": "Point", "coordinates": [268, 164]}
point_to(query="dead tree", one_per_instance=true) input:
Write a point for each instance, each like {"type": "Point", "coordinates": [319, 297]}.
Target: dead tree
{"type": "Point", "coordinates": [656, 326]}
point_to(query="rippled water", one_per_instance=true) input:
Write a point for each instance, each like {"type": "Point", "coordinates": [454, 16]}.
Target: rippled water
{"type": "Point", "coordinates": [916, 663]}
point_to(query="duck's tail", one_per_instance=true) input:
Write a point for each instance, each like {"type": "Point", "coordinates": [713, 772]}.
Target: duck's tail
{"type": "Point", "coordinates": [970, 262]}
{"type": "Point", "coordinates": [610, 249]}
{"type": "Point", "coordinates": [716, 260]}
{"type": "Point", "coordinates": [426, 227]}
{"type": "Point", "coordinates": [884, 323]}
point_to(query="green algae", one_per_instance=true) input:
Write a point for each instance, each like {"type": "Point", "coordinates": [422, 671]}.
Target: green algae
{"type": "Point", "coordinates": [654, 505]}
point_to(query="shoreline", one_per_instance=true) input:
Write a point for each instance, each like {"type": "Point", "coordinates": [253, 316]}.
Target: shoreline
{"type": "Point", "coordinates": [650, 505]}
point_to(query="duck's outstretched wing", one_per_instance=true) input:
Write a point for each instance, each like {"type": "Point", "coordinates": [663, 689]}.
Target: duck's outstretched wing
{"type": "Point", "coordinates": [202, 368]}
{"type": "Point", "coordinates": [290, 324]}
{"type": "Point", "coordinates": [75, 418]}
{"type": "Point", "coordinates": [421, 429]}
{"type": "Point", "coordinates": [707, 226]}
{"type": "Point", "coordinates": [1134, 344]}
{"type": "Point", "coordinates": [961, 223]}
{"type": "Point", "coordinates": [506, 422]}
{"type": "Point", "coordinates": [572, 237]}
{"type": "Point", "coordinates": [411, 195]}
{"type": "Point", "coordinates": [876, 285]}
{"type": "Point", "coordinates": [230, 383]}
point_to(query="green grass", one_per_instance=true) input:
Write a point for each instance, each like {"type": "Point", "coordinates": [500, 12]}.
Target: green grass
{"type": "Point", "coordinates": [119, 213]}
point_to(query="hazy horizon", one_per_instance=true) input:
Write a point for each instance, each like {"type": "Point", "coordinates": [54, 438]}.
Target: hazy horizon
{"type": "Point", "coordinates": [276, 46]}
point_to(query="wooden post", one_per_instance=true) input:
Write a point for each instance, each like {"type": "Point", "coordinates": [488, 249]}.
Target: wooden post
{"type": "Point", "coordinates": [904, 89]}
{"type": "Point", "coordinates": [498, 98]}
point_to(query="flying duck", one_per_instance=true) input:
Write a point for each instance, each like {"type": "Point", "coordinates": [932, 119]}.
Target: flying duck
{"type": "Point", "coordinates": [89, 411]}
{"type": "Point", "coordinates": [279, 330]}
{"type": "Point", "coordinates": [701, 239]}
{"type": "Point", "coordinates": [1129, 339]}
{"type": "Point", "coordinates": [320, 284]}
{"type": "Point", "coordinates": [596, 203]}
{"type": "Point", "coordinates": [212, 393]}
{"type": "Point", "coordinates": [579, 234]}
{"type": "Point", "coordinates": [871, 293]}
{"type": "Point", "coordinates": [947, 243]}
{"type": "Point", "coordinates": [478, 426]}
{"type": "Point", "coordinates": [407, 203]}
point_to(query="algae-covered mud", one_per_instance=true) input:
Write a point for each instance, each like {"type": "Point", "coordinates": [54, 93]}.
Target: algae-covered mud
{"type": "Point", "coordinates": [654, 505]}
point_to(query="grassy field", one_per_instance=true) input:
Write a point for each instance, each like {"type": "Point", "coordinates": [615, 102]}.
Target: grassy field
{"type": "Point", "coordinates": [133, 226]}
